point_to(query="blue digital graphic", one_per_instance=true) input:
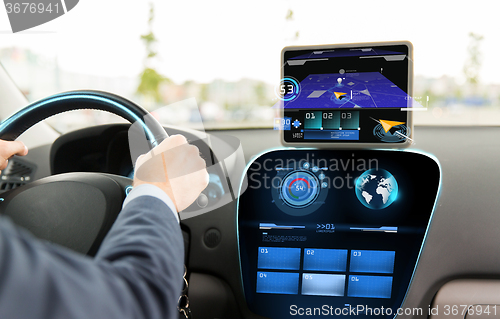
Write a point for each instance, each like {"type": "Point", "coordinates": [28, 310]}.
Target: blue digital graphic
{"type": "Point", "coordinates": [279, 258]}
{"type": "Point", "coordinates": [373, 261]}
{"type": "Point", "coordinates": [376, 189]}
{"type": "Point", "coordinates": [313, 120]}
{"type": "Point", "coordinates": [349, 120]}
{"type": "Point", "coordinates": [277, 283]}
{"type": "Point", "coordinates": [323, 284]}
{"type": "Point", "coordinates": [345, 53]}
{"type": "Point", "coordinates": [348, 90]}
{"type": "Point", "coordinates": [346, 135]}
{"type": "Point", "coordinates": [288, 90]}
{"type": "Point", "coordinates": [369, 286]}
{"type": "Point", "coordinates": [283, 124]}
{"type": "Point", "coordinates": [325, 259]}
{"type": "Point", "coordinates": [397, 133]}
{"type": "Point", "coordinates": [287, 123]}
{"type": "Point", "coordinates": [299, 189]}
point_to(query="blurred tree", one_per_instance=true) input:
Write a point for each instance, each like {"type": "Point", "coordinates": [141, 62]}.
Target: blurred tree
{"type": "Point", "coordinates": [150, 79]}
{"type": "Point", "coordinates": [260, 93]}
{"type": "Point", "coordinates": [204, 93]}
{"type": "Point", "coordinates": [472, 65]}
{"type": "Point", "coordinates": [289, 19]}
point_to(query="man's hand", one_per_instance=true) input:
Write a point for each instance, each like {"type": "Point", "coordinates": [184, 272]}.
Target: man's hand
{"type": "Point", "coordinates": [9, 149]}
{"type": "Point", "coordinates": [176, 167]}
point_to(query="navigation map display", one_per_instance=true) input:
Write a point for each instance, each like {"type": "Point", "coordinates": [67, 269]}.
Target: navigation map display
{"type": "Point", "coordinates": [347, 94]}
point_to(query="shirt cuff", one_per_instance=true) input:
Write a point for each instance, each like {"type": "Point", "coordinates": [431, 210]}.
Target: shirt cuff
{"type": "Point", "coordinates": [154, 191]}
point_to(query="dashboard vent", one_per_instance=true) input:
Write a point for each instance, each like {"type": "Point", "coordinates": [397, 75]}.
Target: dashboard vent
{"type": "Point", "coordinates": [17, 173]}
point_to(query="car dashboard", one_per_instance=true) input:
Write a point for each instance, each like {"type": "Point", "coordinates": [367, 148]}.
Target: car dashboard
{"type": "Point", "coordinates": [232, 263]}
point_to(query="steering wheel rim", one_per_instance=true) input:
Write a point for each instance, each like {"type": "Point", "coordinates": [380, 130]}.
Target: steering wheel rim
{"type": "Point", "coordinates": [75, 210]}
{"type": "Point", "coordinates": [12, 127]}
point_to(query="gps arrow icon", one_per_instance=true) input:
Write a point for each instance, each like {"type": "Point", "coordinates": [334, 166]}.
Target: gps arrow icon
{"type": "Point", "coordinates": [387, 125]}
{"type": "Point", "coordinates": [339, 95]}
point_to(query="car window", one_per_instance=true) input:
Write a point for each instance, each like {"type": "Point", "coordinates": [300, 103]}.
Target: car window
{"type": "Point", "coordinates": [222, 58]}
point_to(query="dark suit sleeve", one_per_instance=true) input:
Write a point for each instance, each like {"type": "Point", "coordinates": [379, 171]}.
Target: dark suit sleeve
{"type": "Point", "coordinates": [137, 272]}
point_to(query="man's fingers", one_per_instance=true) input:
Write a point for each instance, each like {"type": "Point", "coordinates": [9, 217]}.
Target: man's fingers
{"type": "Point", "coordinates": [4, 165]}
{"type": "Point", "coordinates": [169, 143]}
{"type": "Point", "coordinates": [11, 148]}
{"type": "Point", "coordinates": [142, 159]}
{"type": "Point", "coordinates": [173, 158]}
{"type": "Point", "coordinates": [198, 181]}
{"type": "Point", "coordinates": [205, 178]}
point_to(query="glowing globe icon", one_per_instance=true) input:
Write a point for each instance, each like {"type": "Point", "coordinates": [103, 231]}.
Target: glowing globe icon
{"type": "Point", "coordinates": [376, 189]}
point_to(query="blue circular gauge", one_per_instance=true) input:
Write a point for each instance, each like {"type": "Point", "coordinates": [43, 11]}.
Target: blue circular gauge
{"type": "Point", "coordinates": [299, 189]}
{"type": "Point", "coordinates": [288, 89]}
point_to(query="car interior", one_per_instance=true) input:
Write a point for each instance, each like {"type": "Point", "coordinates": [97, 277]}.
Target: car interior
{"type": "Point", "coordinates": [343, 202]}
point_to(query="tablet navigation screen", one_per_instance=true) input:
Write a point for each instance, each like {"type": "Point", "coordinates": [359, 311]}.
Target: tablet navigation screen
{"type": "Point", "coordinates": [346, 95]}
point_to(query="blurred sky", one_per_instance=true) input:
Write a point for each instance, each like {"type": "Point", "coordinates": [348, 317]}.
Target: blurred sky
{"type": "Point", "coordinates": [230, 39]}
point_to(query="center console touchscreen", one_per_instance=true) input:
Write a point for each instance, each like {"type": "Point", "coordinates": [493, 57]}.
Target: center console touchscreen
{"type": "Point", "coordinates": [333, 232]}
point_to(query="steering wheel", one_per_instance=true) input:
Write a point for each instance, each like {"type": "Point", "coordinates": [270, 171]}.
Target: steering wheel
{"type": "Point", "coordinates": [75, 210]}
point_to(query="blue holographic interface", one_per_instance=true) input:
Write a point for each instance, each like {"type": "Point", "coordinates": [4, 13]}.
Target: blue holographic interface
{"type": "Point", "coordinates": [279, 258]}
{"type": "Point", "coordinates": [347, 95]}
{"type": "Point", "coordinates": [325, 272]}
{"type": "Point", "coordinates": [369, 286]}
{"type": "Point", "coordinates": [316, 229]}
{"type": "Point", "coordinates": [277, 282]}
{"type": "Point", "coordinates": [372, 261]}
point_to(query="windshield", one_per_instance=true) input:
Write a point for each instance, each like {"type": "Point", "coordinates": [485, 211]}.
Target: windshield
{"type": "Point", "coordinates": [223, 57]}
